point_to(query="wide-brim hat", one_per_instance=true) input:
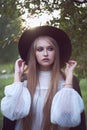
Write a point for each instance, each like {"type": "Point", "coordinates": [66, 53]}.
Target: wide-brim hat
{"type": "Point", "coordinates": [59, 35]}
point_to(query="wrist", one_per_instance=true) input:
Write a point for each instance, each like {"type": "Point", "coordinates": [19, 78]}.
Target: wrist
{"type": "Point", "coordinates": [68, 81]}
{"type": "Point", "coordinates": [68, 85]}
{"type": "Point", "coordinates": [17, 80]}
{"type": "Point", "coordinates": [17, 72]}
{"type": "Point", "coordinates": [17, 77]}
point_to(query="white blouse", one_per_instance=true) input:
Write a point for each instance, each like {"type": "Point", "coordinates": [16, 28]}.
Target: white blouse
{"type": "Point", "coordinates": [66, 108]}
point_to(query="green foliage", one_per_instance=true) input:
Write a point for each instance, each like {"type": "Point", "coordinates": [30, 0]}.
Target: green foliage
{"type": "Point", "coordinates": [9, 30]}
{"type": "Point", "coordinates": [9, 53]}
{"type": "Point", "coordinates": [8, 8]}
{"type": "Point", "coordinates": [83, 84]}
{"type": "Point", "coordinates": [74, 21]}
{"type": "Point", "coordinates": [6, 68]}
{"type": "Point", "coordinates": [10, 23]}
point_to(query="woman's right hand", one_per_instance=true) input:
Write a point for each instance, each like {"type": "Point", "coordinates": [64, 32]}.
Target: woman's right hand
{"type": "Point", "coordinates": [19, 69]}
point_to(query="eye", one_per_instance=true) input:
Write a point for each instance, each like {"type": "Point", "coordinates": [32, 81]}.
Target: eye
{"type": "Point", "coordinates": [50, 48]}
{"type": "Point", "coordinates": [39, 49]}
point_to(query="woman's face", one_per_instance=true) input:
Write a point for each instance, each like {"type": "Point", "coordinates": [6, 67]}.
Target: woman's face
{"type": "Point", "coordinates": [45, 53]}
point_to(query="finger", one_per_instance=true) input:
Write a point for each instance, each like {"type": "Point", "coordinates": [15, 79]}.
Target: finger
{"type": "Point", "coordinates": [20, 61]}
{"type": "Point", "coordinates": [67, 65]}
{"type": "Point", "coordinates": [18, 64]}
{"type": "Point", "coordinates": [22, 66]}
{"type": "Point", "coordinates": [72, 62]}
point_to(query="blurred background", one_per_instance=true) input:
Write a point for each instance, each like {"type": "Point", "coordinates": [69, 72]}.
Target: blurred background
{"type": "Point", "coordinates": [19, 15]}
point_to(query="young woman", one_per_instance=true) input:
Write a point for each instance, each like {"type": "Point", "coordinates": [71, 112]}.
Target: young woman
{"type": "Point", "coordinates": [48, 98]}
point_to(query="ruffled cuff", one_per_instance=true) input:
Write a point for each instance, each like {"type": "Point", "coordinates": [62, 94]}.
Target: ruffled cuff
{"type": "Point", "coordinates": [66, 108]}
{"type": "Point", "coordinates": [17, 101]}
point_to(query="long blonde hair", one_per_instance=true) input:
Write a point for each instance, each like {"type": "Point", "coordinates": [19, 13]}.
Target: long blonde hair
{"type": "Point", "coordinates": [33, 79]}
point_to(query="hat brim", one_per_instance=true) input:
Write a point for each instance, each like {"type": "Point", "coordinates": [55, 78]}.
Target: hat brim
{"type": "Point", "coordinates": [59, 35]}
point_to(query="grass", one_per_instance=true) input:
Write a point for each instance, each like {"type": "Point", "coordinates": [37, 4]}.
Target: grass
{"type": "Point", "coordinates": [6, 68]}
{"type": "Point", "coordinates": [9, 80]}
{"type": "Point", "coordinates": [83, 84]}
{"type": "Point", "coordinates": [3, 83]}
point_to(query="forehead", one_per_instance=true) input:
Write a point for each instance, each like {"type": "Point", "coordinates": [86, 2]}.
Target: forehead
{"type": "Point", "coordinates": [43, 41]}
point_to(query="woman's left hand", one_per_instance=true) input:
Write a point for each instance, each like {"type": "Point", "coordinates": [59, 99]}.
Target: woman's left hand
{"type": "Point", "coordinates": [70, 66]}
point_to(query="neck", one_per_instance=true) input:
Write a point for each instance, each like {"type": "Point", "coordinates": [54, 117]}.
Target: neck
{"type": "Point", "coordinates": [45, 68]}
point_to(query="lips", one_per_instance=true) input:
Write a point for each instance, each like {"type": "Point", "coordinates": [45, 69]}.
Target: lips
{"type": "Point", "coordinates": [46, 59]}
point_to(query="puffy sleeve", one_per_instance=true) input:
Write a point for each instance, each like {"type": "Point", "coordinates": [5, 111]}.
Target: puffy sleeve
{"type": "Point", "coordinates": [17, 101]}
{"type": "Point", "coordinates": [66, 109]}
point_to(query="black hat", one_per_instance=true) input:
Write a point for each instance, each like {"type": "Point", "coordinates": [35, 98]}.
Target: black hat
{"type": "Point", "coordinates": [57, 34]}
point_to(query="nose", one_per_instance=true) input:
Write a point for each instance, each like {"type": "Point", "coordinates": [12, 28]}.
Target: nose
{"type": "Point", "coordinates": [45, 52]}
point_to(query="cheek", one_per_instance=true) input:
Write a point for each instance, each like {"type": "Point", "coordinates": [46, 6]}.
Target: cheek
{"type": "Point", "coordinates": [38, 56]}
{"type": "Point", "coordinates": [53, 55]}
